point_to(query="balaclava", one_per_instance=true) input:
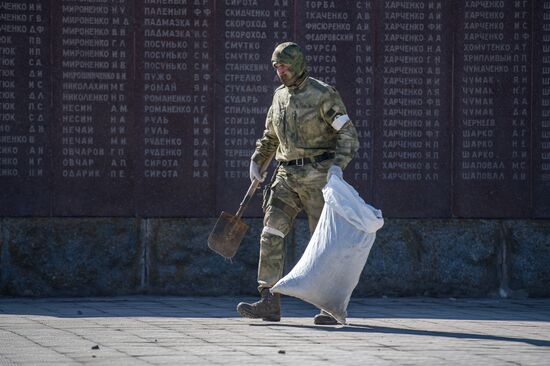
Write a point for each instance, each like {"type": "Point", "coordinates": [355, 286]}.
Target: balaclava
{"type": "Point", "coordinates": [291, 54]}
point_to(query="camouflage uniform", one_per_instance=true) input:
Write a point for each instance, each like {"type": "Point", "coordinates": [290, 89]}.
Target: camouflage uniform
{"type": "Point", "coordinates": [307, 119]}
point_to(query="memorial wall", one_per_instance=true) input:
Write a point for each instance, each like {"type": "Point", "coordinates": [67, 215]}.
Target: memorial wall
{"type": "Point", "coordinates": [151, 108]}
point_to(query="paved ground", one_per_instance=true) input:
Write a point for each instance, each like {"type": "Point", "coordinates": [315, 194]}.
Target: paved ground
{"type": "Point", "coordinates": [153, 330]}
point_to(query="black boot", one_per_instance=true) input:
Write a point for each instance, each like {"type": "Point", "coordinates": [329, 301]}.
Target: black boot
{"type": "Point", "coordinates": [324, 318]}
{"type": "Point", "coordinates": [268, 308]}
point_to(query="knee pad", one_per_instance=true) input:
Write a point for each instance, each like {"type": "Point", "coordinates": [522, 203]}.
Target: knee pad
{"type": "Point", "coordinates": [273, 231]}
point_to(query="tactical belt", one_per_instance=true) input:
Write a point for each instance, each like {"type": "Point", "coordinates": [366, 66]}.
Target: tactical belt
{"type": "Point", "coordinates": [312, 159]}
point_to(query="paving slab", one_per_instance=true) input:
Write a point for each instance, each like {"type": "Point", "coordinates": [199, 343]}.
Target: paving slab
{"type": "Point", "coordinates": [171, 330]}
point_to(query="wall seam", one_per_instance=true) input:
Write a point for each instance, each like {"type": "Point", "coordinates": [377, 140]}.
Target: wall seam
{"type": "Point", "coordinates": [143, 243]}
{"type": "Point", "coordinates": [2, 264]}
{"type": "Point", "coordinates": [504, 280]}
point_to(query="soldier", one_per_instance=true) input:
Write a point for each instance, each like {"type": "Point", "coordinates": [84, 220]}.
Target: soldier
{"type": "Point", "coordinates": [308, 127]}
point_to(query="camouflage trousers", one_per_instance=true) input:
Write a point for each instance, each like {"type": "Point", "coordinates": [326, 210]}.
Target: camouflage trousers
{"type": "Point", "coordinates": [295, 188]}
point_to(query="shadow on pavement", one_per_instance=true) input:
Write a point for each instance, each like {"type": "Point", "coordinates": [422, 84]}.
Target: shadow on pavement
{"type": "Point", "coordinates": [417, 332]}
{"type": "Point", "coordinates": [225, 307]}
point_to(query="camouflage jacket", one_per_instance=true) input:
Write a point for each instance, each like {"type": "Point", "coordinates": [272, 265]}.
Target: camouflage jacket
{"type": "Point", "coordinates": [307, 120]}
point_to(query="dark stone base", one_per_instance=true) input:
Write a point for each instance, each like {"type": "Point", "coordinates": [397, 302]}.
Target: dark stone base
{"type": "Point", "coordinates": [69, 257]}
{"type": "Point", "coordinates": [116, 256]}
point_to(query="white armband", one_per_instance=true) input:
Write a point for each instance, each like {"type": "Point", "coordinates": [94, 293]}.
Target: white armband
{"type": "Point", "coordinates": [339, 122]}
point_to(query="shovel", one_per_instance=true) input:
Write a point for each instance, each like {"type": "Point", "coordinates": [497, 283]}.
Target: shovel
{"type": "Point", "coordinates": [229, 230]}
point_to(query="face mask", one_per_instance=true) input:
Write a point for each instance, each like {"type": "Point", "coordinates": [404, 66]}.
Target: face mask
{"type": "Point", "coordinates": [285, 75]}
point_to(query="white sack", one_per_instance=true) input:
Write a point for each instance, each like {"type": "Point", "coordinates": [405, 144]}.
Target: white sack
{"type": "Point", "coordinates": [331, 265]}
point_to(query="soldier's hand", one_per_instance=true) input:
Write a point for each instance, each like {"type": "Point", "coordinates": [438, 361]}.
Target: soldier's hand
{"type": "Point", "coordinates": [335, 170]}
{"type": "Point", "coordinates": [255, 172]}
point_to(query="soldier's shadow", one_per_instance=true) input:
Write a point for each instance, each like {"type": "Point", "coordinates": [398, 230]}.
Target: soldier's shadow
{"type": "Point", "coordinates": [417, 332]}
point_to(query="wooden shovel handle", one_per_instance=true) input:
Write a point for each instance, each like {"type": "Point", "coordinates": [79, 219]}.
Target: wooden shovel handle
{"type": "Point", "coordinates": [253, 186]}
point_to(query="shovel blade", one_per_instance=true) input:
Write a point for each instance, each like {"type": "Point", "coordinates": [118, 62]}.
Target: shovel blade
{"type": "Point", "coordinates": [227, 235]}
